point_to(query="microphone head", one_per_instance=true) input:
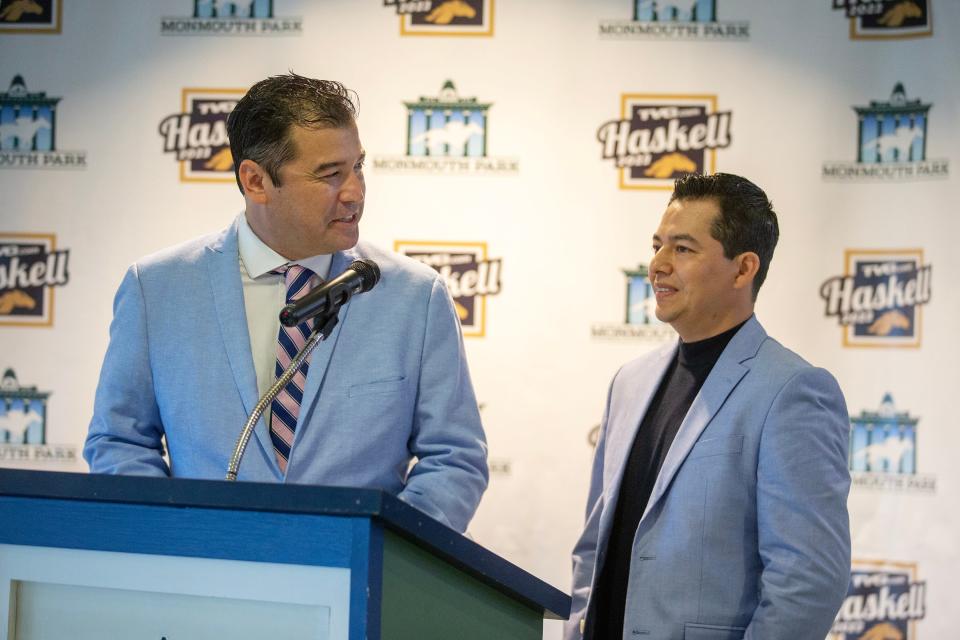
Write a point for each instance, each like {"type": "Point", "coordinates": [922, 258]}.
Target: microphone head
{"type": "Point", "coordinates": [369, 273]}
{"type": "Point", "coordinates": [287, 317]}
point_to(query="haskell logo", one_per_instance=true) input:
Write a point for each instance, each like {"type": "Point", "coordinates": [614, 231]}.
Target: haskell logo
{"type": "Point", "coordinates": [444, 17]}
{"type": "Point", "coordinates": [23, 425]}
{"type": "Point", "coordinates": [30, 269]}
{"type": "Point", "coordinates": [230, 18]}
{"type": "Point", "coordinates": [883, 19]}
{"type": "Point", "coordinates": [593, 436]}
{"type": "Point", "coordinates": [469, 274]}
{"type": "Point", "coordinates": [640, 321]}
{"type": "Point", "coordinates": [879, 300]}
{"type": "Point", "coordinates": [884, 602]}
{"type": "Point", "coordinates": [197, 136]}
{"type": "Point", "coordinates": [660, 138]}
{"type": "Point", "coordinates": [30, 16]}
{"type": "Point", "coordinates": [883, 450]}
{"type": "Point", "coordinates": [447, 134]}
{"type": "Point", "coordinates": [891, 143]}
{"type": "Point", "coordinates": [675, 20]}
{"type": "Point", "coordinates": [28, 127]}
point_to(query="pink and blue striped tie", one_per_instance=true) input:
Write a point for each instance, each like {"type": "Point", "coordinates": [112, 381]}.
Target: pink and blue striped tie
{"type": "Point", "coordinates": [286, 406]}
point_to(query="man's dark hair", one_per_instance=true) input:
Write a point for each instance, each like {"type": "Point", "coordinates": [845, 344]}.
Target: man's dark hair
{"type": "Point", "coordinates": [259, 126]}
{"type": "Point", "coordinates": [747, 221]}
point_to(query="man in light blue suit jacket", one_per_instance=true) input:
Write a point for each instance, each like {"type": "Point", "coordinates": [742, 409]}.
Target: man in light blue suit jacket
{"type": "Point", "coordinates": [193, 340]}
{"type": "Point", "coordinates": [729, 450]}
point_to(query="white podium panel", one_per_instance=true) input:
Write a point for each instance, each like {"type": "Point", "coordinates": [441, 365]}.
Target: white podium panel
{"type": "Point", "coordinates": [50, 594]}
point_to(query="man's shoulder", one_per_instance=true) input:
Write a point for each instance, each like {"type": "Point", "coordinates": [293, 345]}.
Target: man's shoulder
{"type": "Point", "coordinates": [752, 348]}
{"type": "Point", "coordinates": [185, 255]}
{"type": "Point", "coordinates": [396, 269]}
{"type": "Point", "coordinates": [775, 360]}
{"type": "Point", "coordinates": [775, 367]}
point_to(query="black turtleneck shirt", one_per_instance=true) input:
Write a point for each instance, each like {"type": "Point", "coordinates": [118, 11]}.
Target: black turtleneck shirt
{"type": "Point", "coordinates": [680, 384]}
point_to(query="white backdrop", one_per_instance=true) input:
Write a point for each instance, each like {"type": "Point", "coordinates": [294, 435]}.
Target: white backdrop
{"type": "Point", "coordinates": [542, 200]}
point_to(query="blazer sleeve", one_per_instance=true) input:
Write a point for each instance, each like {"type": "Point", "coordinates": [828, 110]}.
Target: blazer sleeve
{"type": "Point", "coordinates": [447, 438]}
{"type": "Point", "coordinates": [585, 550]}
{"type": "Point", "coordinates": [126, 433]}
{"type": "Point", "coordinates": [802, 520]}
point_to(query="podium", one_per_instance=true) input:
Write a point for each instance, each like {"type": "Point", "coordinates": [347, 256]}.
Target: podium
{"type": "Point", "coordinates": [92, 556]}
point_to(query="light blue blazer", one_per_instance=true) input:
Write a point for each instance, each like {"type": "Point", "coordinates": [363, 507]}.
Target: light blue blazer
{"type": "Point", "coordinates": [746, 534]}
{"type": "Point", "coordinates": [390, 384]}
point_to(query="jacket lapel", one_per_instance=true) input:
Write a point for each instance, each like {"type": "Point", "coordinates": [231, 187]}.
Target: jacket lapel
{"type": "Point", "coordinates": [223, 266]}
{"type": "Point", "coordinates": [630, 414]}
{"type": "Point", "coordinates": [726, 373]}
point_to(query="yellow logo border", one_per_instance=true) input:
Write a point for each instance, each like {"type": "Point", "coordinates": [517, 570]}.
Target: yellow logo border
{"type": "Point", "coordinates": [439, 244]}
{"type": "Point", "coordinates": [848, 256]}
{"type": "Point", "coordinates": [49, 292]}
{"type": "Point", "coordinates": [625, 98]}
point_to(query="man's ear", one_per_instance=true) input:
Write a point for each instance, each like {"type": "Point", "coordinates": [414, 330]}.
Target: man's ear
{"type": "Point", "coordinates": [254, 181]}
{"type": "Point", "coordinates": [748, 264]}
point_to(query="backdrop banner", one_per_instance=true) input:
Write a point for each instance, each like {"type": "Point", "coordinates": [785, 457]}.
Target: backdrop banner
{"type": "Point", "coordinates": [526, 151]}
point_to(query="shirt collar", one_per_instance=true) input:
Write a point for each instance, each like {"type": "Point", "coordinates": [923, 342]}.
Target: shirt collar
{"type": "Point", "coordinates": [259, 259]}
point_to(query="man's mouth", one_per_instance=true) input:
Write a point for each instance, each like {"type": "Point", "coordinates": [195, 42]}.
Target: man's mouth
{"type": "Point", "coordinates": [348, 219]}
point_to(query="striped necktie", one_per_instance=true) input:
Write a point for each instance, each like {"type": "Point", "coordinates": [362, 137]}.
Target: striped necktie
{"type": "Point", "coordinates": [286, 406]}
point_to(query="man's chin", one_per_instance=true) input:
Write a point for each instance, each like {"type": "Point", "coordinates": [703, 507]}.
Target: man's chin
{"type": "Point", "coordinates": [349, 241]}
{"type": "Point", "coordinates": [346, 239]}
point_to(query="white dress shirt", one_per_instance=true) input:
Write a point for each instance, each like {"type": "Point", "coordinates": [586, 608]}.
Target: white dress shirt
{"type": "Point", "coordinates": [264, 294]}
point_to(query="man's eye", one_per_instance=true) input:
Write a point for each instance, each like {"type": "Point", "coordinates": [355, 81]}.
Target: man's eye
{"type": "Point", "coordinates": [656, 248]}
{"type": "Point", "coordinates": [682, 249]}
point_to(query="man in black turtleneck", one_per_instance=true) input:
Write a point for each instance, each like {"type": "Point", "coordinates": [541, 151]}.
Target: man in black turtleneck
{"type": "Point", "coordinates": [717, 507]}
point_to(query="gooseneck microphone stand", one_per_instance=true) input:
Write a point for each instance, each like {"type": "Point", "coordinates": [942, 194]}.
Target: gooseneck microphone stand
{"type": "Point", "coordinates": [324, 327]}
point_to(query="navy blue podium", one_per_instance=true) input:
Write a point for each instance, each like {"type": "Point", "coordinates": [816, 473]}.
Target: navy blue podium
{"type": "Point", "coordinates": [172, 558]}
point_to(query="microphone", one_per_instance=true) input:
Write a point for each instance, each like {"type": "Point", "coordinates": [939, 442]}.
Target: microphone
{"type": "Point", "coordinates": [360, 277]}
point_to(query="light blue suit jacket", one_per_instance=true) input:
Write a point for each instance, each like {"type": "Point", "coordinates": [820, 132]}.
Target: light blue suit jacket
{"type": "Point", "coordinates": [389, 385]}
{"type": "Point", "coordinates": [746, 533]}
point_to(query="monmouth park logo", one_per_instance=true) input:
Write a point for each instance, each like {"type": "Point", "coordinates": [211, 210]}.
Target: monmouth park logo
{"type": "Point", "coordinates": [197, 136]}
{"type": "Point", "coordinates": [30, 16]}
{"type": "Point", "coordinates": [675, 20]}
{"type": "Point", "coordinates": [23, 412]}
{"type": "Point", "coordinates": [447, 133]}
{"type": "Point", "coordinates": [469, 274]}
{"type": "Point", "coordinates": [23, 425]}
{"type": "Point", "coordinates": [640, 320]}
{"type": "Point", "coordinates": [885, 601]}
{"type": "Point", "coordinates": [883, 450]}
{"type": "Point", "coordinates": [232, 18]}
{"type": "Point", "coordinates": [28, 131]}
{"type": "Point", "coordinates": [891, 143]}
{"type": "Point", "coordinates": [880, 298]}
{"type": "Point", "coordinates": [444, 17]}
{"type": "Point", "coordinates": [31, 268]}
{"type": "Point", "coordinates": [660, 138]}
{"type": "Point", "coordinates": [884, 19]}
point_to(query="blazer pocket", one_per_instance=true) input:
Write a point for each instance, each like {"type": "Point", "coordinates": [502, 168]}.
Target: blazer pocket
{"type": "Point", "coordinates": [717, 447]}
{"type": "Point", "coordinates": [391, 385]}
{"type": "Point", "coordinates": [712, 632]}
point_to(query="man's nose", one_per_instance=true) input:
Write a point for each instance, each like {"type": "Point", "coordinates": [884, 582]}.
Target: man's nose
{"type": "Point", "coordinates": [660, 263]}
{"type": "Point", "coordinates": [353, 189]}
